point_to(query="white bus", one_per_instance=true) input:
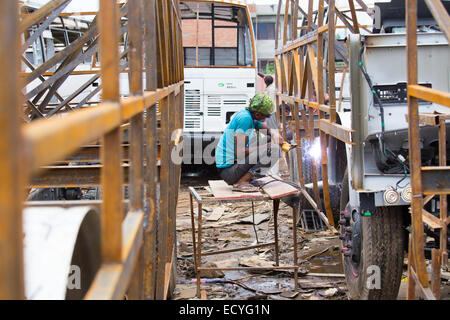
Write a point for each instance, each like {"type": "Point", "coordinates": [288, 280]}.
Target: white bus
{"type": "Point", "coordinates": [220, 68]}
{"type": "Point", "coordinates": [220, 71]}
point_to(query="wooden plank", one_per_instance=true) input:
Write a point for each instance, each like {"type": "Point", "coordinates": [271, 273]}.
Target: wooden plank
{"type": "Point", "coordinates": [432, 221]}
{"type": "Point", "coordinates": [216, 214]}
{"type": "Point", "coordinates": [277, 189]}
{"type": "Point", "coordinates": [223, 191]}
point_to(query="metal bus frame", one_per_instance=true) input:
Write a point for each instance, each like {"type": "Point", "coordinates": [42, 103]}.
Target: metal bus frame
{"type": "Point", "coordinates": [137, 235]}
{"type": "Point", "coordinates": [300, 82]}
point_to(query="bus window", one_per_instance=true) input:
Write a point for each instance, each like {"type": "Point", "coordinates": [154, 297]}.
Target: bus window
{"type": "Point", "coordinates": [216, 34]}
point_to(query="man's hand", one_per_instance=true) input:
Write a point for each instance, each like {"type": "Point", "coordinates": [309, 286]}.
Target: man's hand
{"type": "Point", "coordinates": [276, 136]}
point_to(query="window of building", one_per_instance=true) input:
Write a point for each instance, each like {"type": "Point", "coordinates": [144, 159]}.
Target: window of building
{"type": "Point", "coordinates": [219, 35]}
{"type": "Point", "coordinates": [266, 66]}
{"type": "Point", "coordinates": [264, 30]}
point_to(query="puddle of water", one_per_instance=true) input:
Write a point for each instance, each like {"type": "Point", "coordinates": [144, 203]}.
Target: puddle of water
{"type": "Point", "coordinates": [328, 262]}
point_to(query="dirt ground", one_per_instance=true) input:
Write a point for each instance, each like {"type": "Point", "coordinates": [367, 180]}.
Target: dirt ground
{"type": "Point", "coordinates": [318, 253]}
{"type": "Point", "coordinates": [320, 275]}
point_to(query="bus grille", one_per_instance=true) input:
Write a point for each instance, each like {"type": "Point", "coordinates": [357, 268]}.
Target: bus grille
{"type": "Point", "coordinates": [191, 123]}
{"type": "Point", "coordinates": [192, 103]}
{"type": "Point", "coordinates": [192, 109]}
{"type": "Point", "coordinates": [214, 105]}
{"type": "Point", "coordinates": [235, 102]}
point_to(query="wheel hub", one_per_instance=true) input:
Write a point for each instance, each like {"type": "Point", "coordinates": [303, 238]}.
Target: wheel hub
{"type": "Point", "coordinates": [351, 237]}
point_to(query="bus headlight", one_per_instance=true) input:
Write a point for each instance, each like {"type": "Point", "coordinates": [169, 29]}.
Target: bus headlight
{"type": "Point", "coordinates": [406, 194]}
{"type": "Point", "coordinates": [391, 196]}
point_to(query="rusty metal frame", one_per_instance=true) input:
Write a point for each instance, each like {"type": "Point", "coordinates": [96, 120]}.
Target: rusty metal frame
{"type": "Point", "coordinates": [300, 66]}
{"type": "Point", "coordinates": [420, 176]}
{"type": "Point", "coordinates": [131, 261]}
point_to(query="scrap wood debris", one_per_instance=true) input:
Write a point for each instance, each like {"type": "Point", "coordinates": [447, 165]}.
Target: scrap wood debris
{"type": "Point", "coordinates": [230, 225]}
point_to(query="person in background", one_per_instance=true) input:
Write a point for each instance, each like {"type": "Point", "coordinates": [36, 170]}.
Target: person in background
{"type": "Point", "coordinates": [272, 121]}
{"type": "Point", "coordinates": [270, 86]}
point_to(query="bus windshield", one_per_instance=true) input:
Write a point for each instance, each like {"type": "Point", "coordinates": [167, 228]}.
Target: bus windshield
{"type": "Point", "coordinates": [216, 34]}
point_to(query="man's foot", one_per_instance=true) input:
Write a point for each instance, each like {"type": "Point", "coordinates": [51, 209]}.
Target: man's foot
{"type": "Point", "coordinates": [244, 179]}
{"type": "Point", "coordinates": [245, 187]}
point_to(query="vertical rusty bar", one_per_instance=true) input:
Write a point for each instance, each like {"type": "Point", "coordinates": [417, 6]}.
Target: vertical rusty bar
{"type": "Point", "coordinates": [331, 60]}
{"type": "Point", "coordinates": [276, 205]}
{"type": "Point", "coordinates": [354, 17]}
{"type": "Point", "coordinates": [159, 44]}
{"type": "Point", "coordinates": [174, 129]}
{"type": "Point", "coordinates": [135, 81]}
{"type": "Point", "coordinates": [277, 30]}
{"type": "Point", "coordinates": [151, 170]}
{"type": "Point", "coordinates": [294, 239]}
{"type": "Point", "coordinates": [286, 19]}
{"type": "Point", "coordinates": [172, 187]}
{"type": "Point", "coordinates": [136, 186]}
{"type": "Point", "coordinates": [411, 288]}
{"type": "Point", "coordinates": [11, 168]}
{"type": "Point", "coordinates": [199, 245]}
{"type": "Point", "coordinates": [443, 198]}
{"type": "Point", "coordinates": [164, 198]}
{"type": "Point", "coordinates": [436, 273]}
{"type": "Point", "coordinates": [163, 71]}
{"type": "Point", "coordinates": [171, 192]}
{"type": "Point", "coordinates": [194, 244]}
{"type": "Point", "coordinates": [310, 13]}
{"type": "Point", "coordinates": [294, 12]}
{"type": "Point", "coordinates": [163, 43]}
{"type": "Point", "coordinates": [321, 100]}
{"type": "Point", "coordinates": [298, 141]}
{"type": "Point", "coordinates": [111, 176]}
{"type": "Point", "coordinates": [414, 148]}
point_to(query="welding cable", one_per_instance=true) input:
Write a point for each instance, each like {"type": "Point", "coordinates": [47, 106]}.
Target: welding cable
{"type": "Point", "coordinates": [376, 98]}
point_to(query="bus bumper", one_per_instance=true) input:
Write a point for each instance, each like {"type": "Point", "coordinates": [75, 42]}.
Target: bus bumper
{"type": "Point", "coordinates": [200, 147]}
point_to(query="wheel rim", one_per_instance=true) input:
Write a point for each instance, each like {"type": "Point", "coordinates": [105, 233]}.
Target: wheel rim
{"type": "Point", "coordinates": [351, 237]}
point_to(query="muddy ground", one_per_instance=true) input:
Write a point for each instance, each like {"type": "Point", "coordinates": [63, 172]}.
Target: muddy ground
{"type": "Point", "coordinates": [320, 276]}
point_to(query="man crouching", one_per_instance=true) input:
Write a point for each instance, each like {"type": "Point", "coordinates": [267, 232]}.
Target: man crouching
{"type": "Point", "coordinates": [233, 153]}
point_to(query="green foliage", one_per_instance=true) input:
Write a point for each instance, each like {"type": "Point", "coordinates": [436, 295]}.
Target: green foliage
{"type": "Point", "coordinates": [270, 68]}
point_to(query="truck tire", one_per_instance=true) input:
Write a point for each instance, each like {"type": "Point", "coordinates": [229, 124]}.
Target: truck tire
{"type": "Point", "coordinates": [377, 244]}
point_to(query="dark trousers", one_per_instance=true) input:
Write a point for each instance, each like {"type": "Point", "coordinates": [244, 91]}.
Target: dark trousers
{"type": "Point", "coordinates": [251, 164]}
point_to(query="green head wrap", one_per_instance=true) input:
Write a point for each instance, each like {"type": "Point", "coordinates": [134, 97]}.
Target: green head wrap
{"type": "Point", "coordinates": [261, 103]}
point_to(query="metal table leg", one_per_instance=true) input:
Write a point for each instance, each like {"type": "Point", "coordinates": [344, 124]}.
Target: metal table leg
{"type": "Point", "coordinates": [199, 248]}
{"type": "Point", "coordinates": [194, 244]}
{"type": "Point", "coordinates": [276, 205]}
{"type": "Point", "coordinates": [294, 236]}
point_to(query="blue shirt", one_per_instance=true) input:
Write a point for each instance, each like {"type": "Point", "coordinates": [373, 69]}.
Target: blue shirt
{"type": "Point", "coordinates": [242, 122]}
